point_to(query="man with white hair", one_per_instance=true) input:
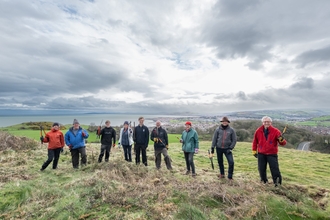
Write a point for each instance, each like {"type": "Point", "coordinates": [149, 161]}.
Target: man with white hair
{"type": "Point", "coordinates": [160, 139]}
{"type": "Point", "coordinates": [265, 148]}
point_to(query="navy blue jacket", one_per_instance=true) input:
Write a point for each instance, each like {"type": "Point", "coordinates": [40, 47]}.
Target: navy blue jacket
{"type": "Point", "coordinates": [141, 135]}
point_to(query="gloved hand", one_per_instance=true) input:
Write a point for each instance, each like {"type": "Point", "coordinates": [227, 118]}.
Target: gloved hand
{"type": "Point", "coordinates": [62, 150]}
{"type": "Point", "coordinates": [196, 150]}
{"type": "Point", "coordinates": [166, 147]}
{"type": "Point", "coordinates": [42, 138]}
{"type": "Point", "coordinates": [181, 141]}
{"type": "Point", "coordinates": [212, 150]}
{"type": "Point", "coordinates": [98, 130]}
{"type": "Point", "coordinates": [228, 151]}
{"type": "Point", "coordinates": [255, 154]}
{"type": "Point", "coordinates": [155, 140]}
{"type": "Point", "coordinates": [83, 134]}
{"type": "Point", "coordinates": [280, 138]}
{"type": "Point", "coordinates": [70, 147]}
{"type": "Point", "coordinates": [114, 145]}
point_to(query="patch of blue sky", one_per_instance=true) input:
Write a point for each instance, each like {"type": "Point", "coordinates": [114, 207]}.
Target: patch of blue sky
{"type": "Point", "coordinates": [70, 10]}
{"type": "Point", "coordinates": [184, 64]}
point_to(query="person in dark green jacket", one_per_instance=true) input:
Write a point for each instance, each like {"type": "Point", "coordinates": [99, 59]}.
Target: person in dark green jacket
{"type": "Point", "coordinates": [190, 145]}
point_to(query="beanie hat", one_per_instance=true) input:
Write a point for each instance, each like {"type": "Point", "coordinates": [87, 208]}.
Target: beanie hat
{"type": "Point", "coordinates": [126, 123]}
{"type": "Point", "coordinates": [56, 124]}
{"type": "Point", "coordinates": [188, 123]}
{"type": "Point", "coordinates": [75, 121]}
{"type": "Point", "coordinates": [225, 119]}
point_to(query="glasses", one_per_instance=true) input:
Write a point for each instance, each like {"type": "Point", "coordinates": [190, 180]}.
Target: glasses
{"type": "Point", "coordinates": [266, 121]}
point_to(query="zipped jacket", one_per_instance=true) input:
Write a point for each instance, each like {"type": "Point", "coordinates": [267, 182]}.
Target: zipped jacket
{"type": "Point", "coordinates": [224, 138]}
{"type": "Point", "coordinates": [76, 141]}
{"type": "Point", "coordinates": [141, 135]}
{"type": "Point", "coordinates": [267, 146]}
{"type": "Point", "coordinates": [190, 140]}
{"type": "Point", "coordinates": [55, 139]}
{"type": "Point", "coordinates": [161, 134]}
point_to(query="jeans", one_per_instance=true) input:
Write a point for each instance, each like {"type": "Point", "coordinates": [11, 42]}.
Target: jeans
{"type": "Point", "coordinates": [189, 157]}
{"type": "Point", "coordinates": [230, 160]}
{"type": "Point", "coordinates": [53, 155]}
{"type": "Point", "coordinates": [141, 149]}
{"type": "Point", "coordinates": [75, 157]}
{"type": "Point", "coordinates": [128, 152]}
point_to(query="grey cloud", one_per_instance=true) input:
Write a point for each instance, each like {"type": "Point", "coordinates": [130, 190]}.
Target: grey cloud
{"type": "Point", "coordinates": [303, 83]}
{"type": "Point", "coordinates": [241, 95]}
{"type": "Point", "coordinates": [252, 30]}
{"type": "Point", "coordinates": [311, 57]}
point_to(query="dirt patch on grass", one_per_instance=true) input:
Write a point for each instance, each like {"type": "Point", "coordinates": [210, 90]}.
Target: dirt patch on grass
{"type": "Point", "coordinates": [11, 142]}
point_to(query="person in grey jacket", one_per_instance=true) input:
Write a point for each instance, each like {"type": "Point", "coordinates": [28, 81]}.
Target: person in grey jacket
{"type": "Point", "coordinates": [224, 140]}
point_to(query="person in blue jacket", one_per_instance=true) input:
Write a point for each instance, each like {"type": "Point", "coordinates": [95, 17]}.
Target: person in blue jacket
{"type": "Point", "coordinates": [75, 140]}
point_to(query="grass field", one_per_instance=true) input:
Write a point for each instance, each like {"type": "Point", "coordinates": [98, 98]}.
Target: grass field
{"type": "Point", "coordinates": [323, 121]}
{"type": "Point", "coordinates": [122, 190]}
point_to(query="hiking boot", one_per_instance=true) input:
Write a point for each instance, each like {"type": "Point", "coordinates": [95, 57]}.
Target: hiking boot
{"type": "Point", "coordinates": [220, 176]}
{"type": "Point", "coordinates": [187, 172]}
{"type": "Point", "coordinates": [277, 181]}
{"type": "Point", "coordinates": [42, 169]}
{"type": "Point", "coordinates": [193, 175]}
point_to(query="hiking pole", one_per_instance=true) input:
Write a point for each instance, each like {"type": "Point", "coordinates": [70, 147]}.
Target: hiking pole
{"type": "Point", "coordinates": [211, 159]}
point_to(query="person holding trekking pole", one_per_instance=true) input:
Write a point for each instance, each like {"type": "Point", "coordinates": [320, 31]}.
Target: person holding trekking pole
{"type": "Point", "coordinates": [126, 140]}
{"type": "Point", "coordinates": [160, 139]}
{"type": "Point", "coordinates": [224, 140]}
{"type": "Point", "coordinates": [55, 140]}
{"type": "Point", "coordinates": [190, 145]}
{"type": "Point", "coordinates": [75, 139]}
{"type": "Point", "coordinates": [265, 149]}
{"type": "Point", "coordinates": [107, 134]}
{"type": "Point", "coordinates": [141, 139]}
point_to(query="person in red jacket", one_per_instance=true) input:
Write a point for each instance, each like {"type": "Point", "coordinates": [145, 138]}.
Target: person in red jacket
{"type": "Point", "coordinates": [55, 140]}
{"type": "Point", "coordinates": [265, 148]}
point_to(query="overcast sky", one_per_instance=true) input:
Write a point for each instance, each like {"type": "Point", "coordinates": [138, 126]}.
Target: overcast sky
{"type": "Point", "coordinates": [164, 56]}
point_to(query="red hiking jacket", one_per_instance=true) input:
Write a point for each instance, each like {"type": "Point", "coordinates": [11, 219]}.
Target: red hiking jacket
{"type": "Point", "coordinates": [269, 146]}
{"type": "Point", "coordinates": [55, 139]}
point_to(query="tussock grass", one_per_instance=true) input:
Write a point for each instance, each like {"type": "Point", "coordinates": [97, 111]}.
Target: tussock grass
{"type": "Point", "coordinates": [123, 190]}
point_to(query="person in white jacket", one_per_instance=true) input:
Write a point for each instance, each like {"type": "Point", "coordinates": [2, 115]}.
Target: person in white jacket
{"type": "Point", "coordinates": [126, 140]}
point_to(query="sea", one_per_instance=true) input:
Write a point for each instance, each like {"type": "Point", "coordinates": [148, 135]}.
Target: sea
{"type": "Point", "coordinates": [85, 119]}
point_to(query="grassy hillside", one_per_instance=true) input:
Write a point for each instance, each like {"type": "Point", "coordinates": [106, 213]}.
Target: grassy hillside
{"type": "Point", "coordinates": [122, 190]}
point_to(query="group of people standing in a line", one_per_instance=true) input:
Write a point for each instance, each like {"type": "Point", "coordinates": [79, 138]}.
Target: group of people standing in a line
{"type": "Point", "coordinates": [264, 146]}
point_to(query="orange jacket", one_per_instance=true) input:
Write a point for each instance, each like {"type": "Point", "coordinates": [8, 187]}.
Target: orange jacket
{"type": "Point", "coordinates": [55, 139]}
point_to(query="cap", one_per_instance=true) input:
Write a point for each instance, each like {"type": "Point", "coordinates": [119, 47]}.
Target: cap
{"type": "Point", "coordinates": [56, 124]}
{"type": "Point", "coordinates": [188, 123]}
{"type": "Point", "coordinates": [75, 121]}
{"type": "Point", "coordinates": [225, 119]}
{"type": "Point", "coordinates": [126, 123]}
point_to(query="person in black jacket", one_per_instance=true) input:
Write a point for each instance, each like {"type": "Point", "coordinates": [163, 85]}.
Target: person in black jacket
{"type": "Point", "coordinates": [107, 135]}
{"type": "Point", "coordinates": [141, 139]}
{"type": "Point", "coordinates": [160, 139]}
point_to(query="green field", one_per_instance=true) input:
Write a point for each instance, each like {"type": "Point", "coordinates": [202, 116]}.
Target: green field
{"type": "Point", "coordinates": [122, 190]}
{"type": "Point", "coordinates": [323, 121]}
